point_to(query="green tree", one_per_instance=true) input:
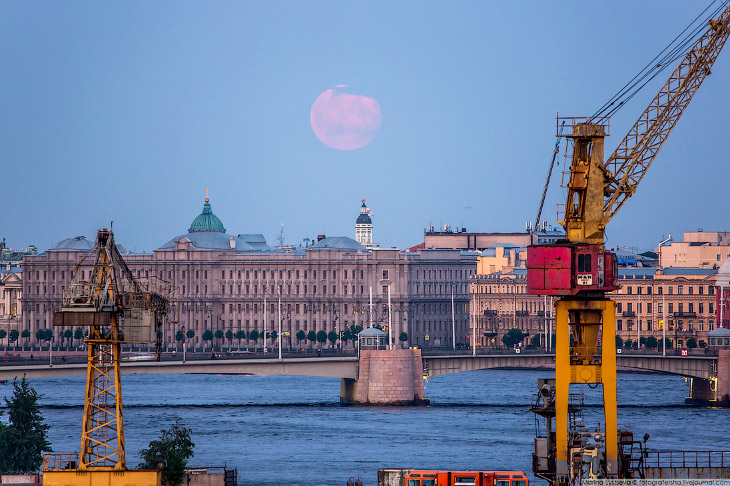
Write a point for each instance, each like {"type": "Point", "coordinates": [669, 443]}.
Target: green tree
{"type": "Point", "coordinates": [536, 340]}
{"type": "Point", "coordinates": [628, 344]}
{"type": "Point", "coordinates": [24, 439]}
{"type": "Point", "coordinates": [619, 342]}
{"type": "Point", "coordinates": [3, 334]}
{"type": "Point", "coordinates": [513, 336]}
{"type": "Point", "coordinates": [403, 338]}
{"type": "Point", "coordinates": [25, 335]}
{"type": "Point", "coordinates": [40, 335]}
{"type": "Point", "coordinates": [651, 342]}
{"type": "Point", "coordinates": [240, 335]}
{"type": "Point", "coordinates": [208, 335]}
{"type": "Point", "coordinates": [78, 335]}
{"type": "Point", "coordinates": [230, 336]}
{"type": "Point", "coordinates": [301, 336]}
{"type": "Point", "coordinates": [179, 336]}
{"type": "Point", "coordinates": [48, 335]}
{"type": "Point", "coordinates": [68, 334]}
{"type": "Point", "coordinates": [13, 336]}
{"type": "Point", "coordinates": [174, 447]}
{"type": "Point", "coordinates": [332, 337]}
{"type": "Point", "coordinates": [321, 338]}
{"type": "Point", "coordinates": [703, 344]}
{"type": "Point", "coordinates": [312, 337]}
{"type": "Point", "coordinates": [254, 336]}
{"type": "Point", "coordinates": [691, 343]}
{"type": "Point", "coordinates": [346, 336]}
{"type": "Point", "coordinates": [219, 335]}
{"type": "Point", "coordinates": [273, 335]}
{"type": "Point", "coordinates": [667, 343]}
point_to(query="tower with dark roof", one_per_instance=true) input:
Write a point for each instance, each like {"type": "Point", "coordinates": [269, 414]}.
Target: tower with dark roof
{"type": "Point", "coordinates": [364, 228]}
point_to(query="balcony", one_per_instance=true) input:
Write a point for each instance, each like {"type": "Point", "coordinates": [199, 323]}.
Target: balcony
{"type": "Point", "coordinates": [628, 314]}
{"type": "Point", "coordinates": [680, 315]}
{"type": "Point", "coordinates": [687, 333]}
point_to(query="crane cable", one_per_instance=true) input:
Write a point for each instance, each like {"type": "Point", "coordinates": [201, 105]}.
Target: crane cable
{"type": "Point", "coordinates": [550, 173]}
{"type": "Point", "coordinates": [660, 62]}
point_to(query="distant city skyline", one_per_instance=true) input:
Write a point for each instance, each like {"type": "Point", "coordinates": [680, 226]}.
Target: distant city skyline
{"type": "Point", "coordinates": [127, 112]}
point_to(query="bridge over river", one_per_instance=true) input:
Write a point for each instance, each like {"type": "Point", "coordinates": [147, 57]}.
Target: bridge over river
{"type": "Point", "coordinates": [354, 370]}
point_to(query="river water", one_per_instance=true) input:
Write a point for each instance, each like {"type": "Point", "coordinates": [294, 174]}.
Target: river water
{"type": "Point", "coordinates": [291, 430]}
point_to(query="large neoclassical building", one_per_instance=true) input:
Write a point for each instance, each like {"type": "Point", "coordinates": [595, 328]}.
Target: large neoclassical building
{"type": "Point", "coordinates": [222, 281]}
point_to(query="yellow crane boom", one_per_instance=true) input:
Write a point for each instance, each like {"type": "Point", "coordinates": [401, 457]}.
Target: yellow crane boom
{"type": "Point", "coordinates": [597, 190]}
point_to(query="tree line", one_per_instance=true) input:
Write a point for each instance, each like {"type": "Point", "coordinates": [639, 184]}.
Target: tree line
{"type": "Point", "coordinates": [320, 337]}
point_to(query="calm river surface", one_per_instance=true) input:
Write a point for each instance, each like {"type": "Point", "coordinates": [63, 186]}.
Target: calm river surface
{"type": "Point", "coordinates": [292, 430]}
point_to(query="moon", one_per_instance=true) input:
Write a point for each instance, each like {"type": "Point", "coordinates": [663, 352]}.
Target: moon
{"type": "Point", "coordinates": [345, 121]}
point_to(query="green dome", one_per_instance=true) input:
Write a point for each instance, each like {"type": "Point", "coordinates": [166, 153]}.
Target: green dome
{"type": "Point", "coordinates": [207, 222]}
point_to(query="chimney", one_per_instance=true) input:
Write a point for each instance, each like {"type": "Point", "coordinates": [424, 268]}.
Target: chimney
{"type": "Point", "coordinates": [321, 237]}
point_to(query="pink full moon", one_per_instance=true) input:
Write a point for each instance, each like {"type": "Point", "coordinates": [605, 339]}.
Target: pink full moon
{"type": "Point", "coordinates": [345, 121]}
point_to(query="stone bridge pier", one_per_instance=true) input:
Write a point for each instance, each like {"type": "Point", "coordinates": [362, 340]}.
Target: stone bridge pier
{"type": "Point", "coordinates": [386, 377]}
{"type": "Point", "coordinates": [716, 390]}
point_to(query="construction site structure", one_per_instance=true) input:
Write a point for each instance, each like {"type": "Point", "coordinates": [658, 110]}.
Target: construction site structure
{"type": "Point", "coordinates": [580, 272]}
{"type": "Point", "coordinates": [116, 309]}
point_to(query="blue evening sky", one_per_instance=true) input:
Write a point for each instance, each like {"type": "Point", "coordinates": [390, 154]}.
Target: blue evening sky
{"type": "Point", "coordinates": [127, 111]}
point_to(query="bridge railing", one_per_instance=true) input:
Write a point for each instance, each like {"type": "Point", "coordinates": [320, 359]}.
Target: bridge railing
{"type": "Point", "coordinates": [687, 459]}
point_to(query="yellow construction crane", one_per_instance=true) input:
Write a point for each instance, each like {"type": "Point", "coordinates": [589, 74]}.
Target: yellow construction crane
{"type": "Point", "coordinates": [116, 309]}
{"type": "Point", "coordinates": [581, 272]}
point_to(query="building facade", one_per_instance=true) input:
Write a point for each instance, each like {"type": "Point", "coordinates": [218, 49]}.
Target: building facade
{"type": "Point", "coordinates": [11, 295]}
{"type": "Point", "coordinates": [699, 249]}
{"type": "Point", "coordinates": [460, 238]}
{"type": "Point", "coordinates": [684, 298]}
{"type": "Point", "coordinates": [219, 281]}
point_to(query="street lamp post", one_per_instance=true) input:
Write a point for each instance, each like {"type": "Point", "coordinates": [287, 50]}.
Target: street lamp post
{"type": "Point", "coordinates": [265, 319]}
{"type": "Point", "coordinates": [664, 300]}
{"type": "Point", "coordinates": [279, 336]}
{"type": "Point", "coordinates": [638, 321]}
{"type": "Point", "coordinates": [390, 322]}
{"type": "Point", "coordinates": [453, 319]}
{"type": "Point", "coordinates": [474, 333]}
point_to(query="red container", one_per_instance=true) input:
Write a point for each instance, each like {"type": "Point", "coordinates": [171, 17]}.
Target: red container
{"type": "Point", "coordinates": [567, 269]}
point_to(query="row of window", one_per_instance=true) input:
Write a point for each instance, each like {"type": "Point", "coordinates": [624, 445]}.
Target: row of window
{"type": "Point", "coordinates": [670, 290]}
{"type": "Point", "coordinates": [670, 307]}
{"type": "Point", "coordinates": [679, 324]}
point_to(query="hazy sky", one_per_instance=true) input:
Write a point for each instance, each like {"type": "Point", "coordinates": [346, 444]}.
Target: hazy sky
{"type": "Point", "coordinates": [127, 111]}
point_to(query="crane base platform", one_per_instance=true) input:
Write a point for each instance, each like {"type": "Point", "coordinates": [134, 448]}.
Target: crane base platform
{"type": "Point", "coordinates": [75, 477]}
